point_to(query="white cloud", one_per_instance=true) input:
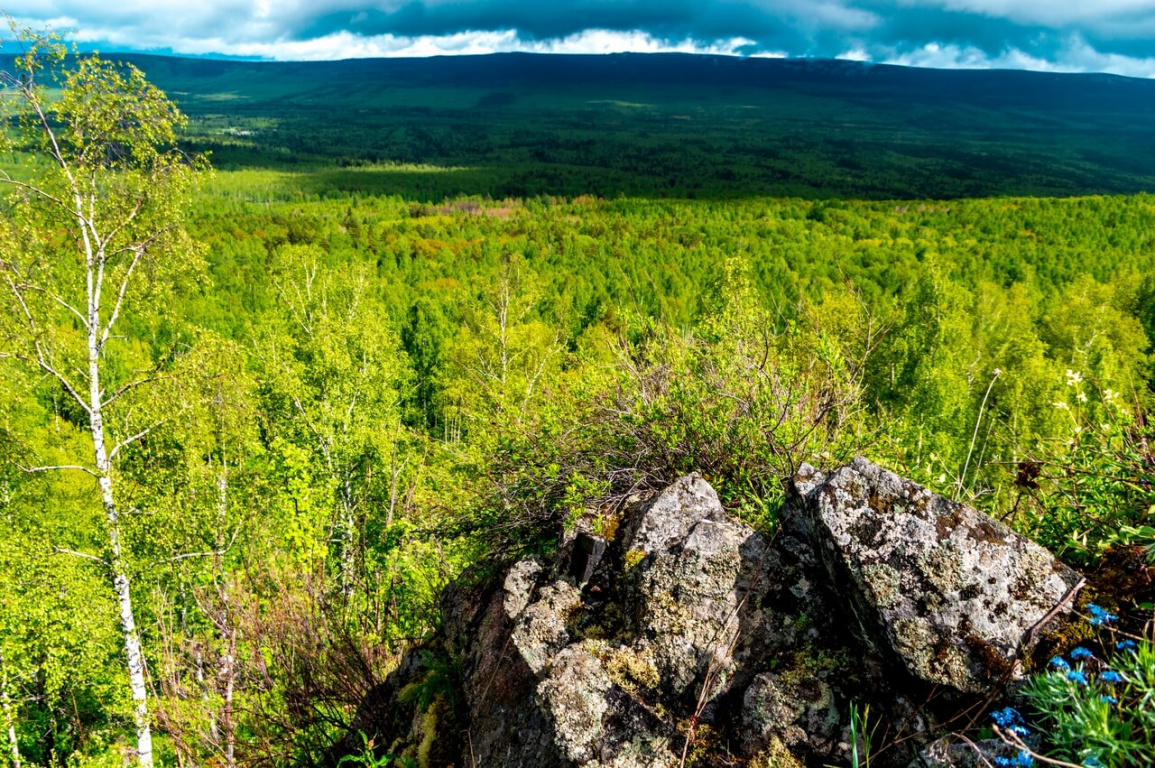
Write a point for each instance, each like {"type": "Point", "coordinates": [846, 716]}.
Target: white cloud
{"type": "Point", "coordinates": [1046, 12]}
{"type": "Point", "coordinates": [345, 45]}
{"type": "Point", "coordinates": [1075, 30]}
{"type": "Point", "coordinates": [1076, 56]}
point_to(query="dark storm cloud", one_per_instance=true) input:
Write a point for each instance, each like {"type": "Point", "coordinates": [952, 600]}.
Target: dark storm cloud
{"type": "Point", "coordinates": [674, 19]}
{"type": "Point", "coordinates": [1070, 34]}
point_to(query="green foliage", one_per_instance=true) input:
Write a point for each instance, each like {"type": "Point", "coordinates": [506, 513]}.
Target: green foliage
{"type": "Point", "coordinates": [1100, 722]}
{"type": "Point", "coordinates": [1092, 487]}
{"type": "Point", "coordinates": [368, 757]}
{"type": "Point", "coordinates": [357, 397]}
{"type": "Point", "coordinates": [442, 680]}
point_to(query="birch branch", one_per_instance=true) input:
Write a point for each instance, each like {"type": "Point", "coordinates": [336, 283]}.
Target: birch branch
{"type": "Point", "coordinates": [58, 468]}
{"type": "Point", "coordinates": [82, 555]}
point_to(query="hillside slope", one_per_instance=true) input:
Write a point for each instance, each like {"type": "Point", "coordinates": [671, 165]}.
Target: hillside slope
{"type": "Point", "coordinates": [674, 124]}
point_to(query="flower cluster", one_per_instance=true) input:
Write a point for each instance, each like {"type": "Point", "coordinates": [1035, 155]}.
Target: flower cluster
{"type": "Point", "coordinates": [1079, 675]}
{"type": "Point", "coordinates": [1092, 702]}
{"type": "Point", "coordinates": [1009, 719]}
{"type": "Point", "coordinates": [1100, 616]}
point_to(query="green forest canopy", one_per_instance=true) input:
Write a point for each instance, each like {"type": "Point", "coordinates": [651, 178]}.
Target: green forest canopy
{"type": "Point", "coordinates": [357, 395]}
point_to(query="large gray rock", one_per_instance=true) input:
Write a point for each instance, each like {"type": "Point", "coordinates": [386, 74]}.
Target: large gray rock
{"type": "Point", "coordinates": [949, 592]}
{"type": "Point", "coordinates": [610, 653]}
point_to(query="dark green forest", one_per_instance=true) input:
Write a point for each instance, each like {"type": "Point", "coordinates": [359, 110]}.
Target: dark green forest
{"type": "Point", "coordinates": [408, 319]}
{"type": "Point", "coordinates": [667, 125]}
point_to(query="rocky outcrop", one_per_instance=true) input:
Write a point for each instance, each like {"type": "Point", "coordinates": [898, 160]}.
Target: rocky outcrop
{"type": "Point", "coordinates": [674, 634]}
{"type": "Point", "coordinates": [946, 590]}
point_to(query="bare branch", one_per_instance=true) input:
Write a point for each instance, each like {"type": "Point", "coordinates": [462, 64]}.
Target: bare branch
{"type": "Point", "coordinates": [1012, 739]}
{"type": "Point", "coordinates": [83, 555]}
{"type": "Point", "coordinates": [191, 555]}
{"type": "Point", "coordinates": [41, 359]}
{"type": "Point", "coordinates": [64, 382]}
{"type": "Point", "coordinates": [138, 253]}
{"type": "Point", "coordinates": [129, 441]}
{"type": "Point", "coordinates": [6, 179]}
{"type": "Point", "coordinates": [70, 308]}
{"type": "Point", "coordinates": [102, 242]}
{"type": "Point", "coordinates": [57, 468]}
{"type": "Point", "coordinates": [127, 388]}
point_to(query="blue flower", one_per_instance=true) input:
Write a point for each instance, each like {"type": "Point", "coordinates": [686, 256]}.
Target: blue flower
{"type": "Point", "coordinates": [1111, 676]}
{"type": "Point", "coordinates": [1019, 730]}
{"type": "Point", "coordinates": [1092, 762]}
{"type": "Point", "coordinates": [1108, 700]}
{"type": "Point", "coordinates": [1127, 645]}
{"type": "Point", "coordinates": [1006, 717]}
{"type": "Point", "coordinates": [1079, 654]}
{"type": "Point", "coordinates": [1059, 662]}
{"type": "Point", "coordinates": [1004, 761]}
{"type": "Point", "coordinates": [1077, 676]}
{"type": "Point", "coordinates": [1099, 616]}
{"type": "Point", "coordinates": [1025, 759]}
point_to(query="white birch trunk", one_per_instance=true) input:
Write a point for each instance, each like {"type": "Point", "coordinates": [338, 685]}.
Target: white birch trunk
{"type": "Point", "coordinates": [348, 544]}
{"type": "Point", "coordinates": [9, 720]}
{"type": "Point", "coordinates": [120, 580]}
{"type": "Point", "coordinates": [229, 673]}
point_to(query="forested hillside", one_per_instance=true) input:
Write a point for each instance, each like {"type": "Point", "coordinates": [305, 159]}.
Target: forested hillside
{"type": "Point", "coordinates": [322, 405]}
{"type": "Point", "coordinates": [669, 125]}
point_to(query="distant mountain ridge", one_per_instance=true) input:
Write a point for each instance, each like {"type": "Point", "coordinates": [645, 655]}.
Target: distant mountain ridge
{"type": "Point", "coordinates": [678, 124]}
{"type": "Point", "coordinates": [533, 69]}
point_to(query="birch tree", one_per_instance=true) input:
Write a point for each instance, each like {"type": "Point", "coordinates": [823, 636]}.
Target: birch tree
{"type": "Point", "coordinates": [92, 237]}
{"type": "Point", "coordinates": [333, 371]}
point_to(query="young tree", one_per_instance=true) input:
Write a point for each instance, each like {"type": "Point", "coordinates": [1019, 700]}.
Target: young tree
{"type": "Point", "coordinates": [333, 372]}
{"type": "Point", "coordinates": [93, 233]}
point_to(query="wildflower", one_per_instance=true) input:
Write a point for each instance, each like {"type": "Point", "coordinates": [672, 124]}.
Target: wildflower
{"type": "Point", "coordinates": [1108, 699]}
{"type": "Point", "coordinates": [1059, 662]}
{"type": "Point", "coordinates": [1019, 730]}
{"type": "Point", "coordinates": [1092, 762]}
{"type": "Point", "coordinates": [1077, 676]}
{"type": "Point", "coordinates": [1081, 397]}
{"type": "Point", "coordinates": [1073, 378]}
{"type": "Point", "coordinates": [1099, 616]}
{"type": "Point", "coordinates": [1111, 676]}
{"type": "Point", "coordinates": [1127, 645]}
{"type": "Point", "coordinates": [1062, 406]}
{"type": "Point", "coordinates": [1079, 654]}
{"type": "Point", "coordinates": [997, 371]}
{"type": "Point", "coordinates": [1006, 716]}
{"type": "Point", "coordinates": [1023, 760]}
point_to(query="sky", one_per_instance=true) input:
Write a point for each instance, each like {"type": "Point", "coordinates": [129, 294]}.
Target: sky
{"type": "Point", "coordinates": [1116, 36]}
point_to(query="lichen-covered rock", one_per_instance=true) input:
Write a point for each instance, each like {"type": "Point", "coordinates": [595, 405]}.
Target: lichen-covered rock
{"type": "Point", "coordinates": [791, 713]}
{"type": "Point", "coordinates": [688, 602]}
{"type": "Point", "coordinates": [683, 630]}
{"type": "Point", "coordinates": [541, 626]}
{"type": "Point", "coordinates": [672, 514]}
{"type": "Point", "coordinates": [949, 592]}
{"type": "Point", "coordinates": [954, 752]}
